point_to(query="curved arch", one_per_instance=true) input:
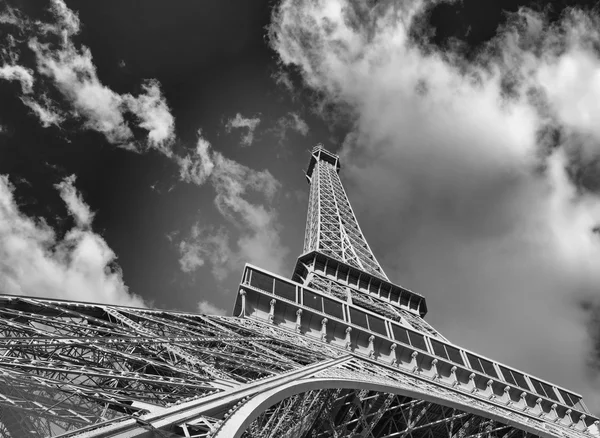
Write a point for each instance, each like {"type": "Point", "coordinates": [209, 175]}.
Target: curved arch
{"type": "Point", "coordinates": [241, 419]}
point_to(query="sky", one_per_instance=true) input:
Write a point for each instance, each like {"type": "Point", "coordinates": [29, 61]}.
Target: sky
{"type": "Point", "coordinates": [148, 150]}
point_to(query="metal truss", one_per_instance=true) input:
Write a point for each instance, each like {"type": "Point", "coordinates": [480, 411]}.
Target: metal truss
{"type": "Point", "coordinates": [69, 365]}
{"type": "Point", "coordinates": [420, 409]}
{"type": "Point", "coordinates": [369, 414]}
{"type": "Point", "coordinates": [331, 226]}
{"type": "Point", "coordinates": [72, 369]}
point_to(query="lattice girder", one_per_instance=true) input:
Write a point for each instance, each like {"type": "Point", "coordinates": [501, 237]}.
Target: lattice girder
{"type": "Point", "coordinates": [69, 365]}
{"type": "Point", "coordinates": [331, 226]}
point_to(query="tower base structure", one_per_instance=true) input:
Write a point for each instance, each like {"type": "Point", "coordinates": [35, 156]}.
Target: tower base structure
{"type": "Point", "coordinates": [72, 369]}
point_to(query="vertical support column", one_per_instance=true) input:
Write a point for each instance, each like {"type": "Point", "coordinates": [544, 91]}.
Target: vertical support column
{"type": "Point", "coordinates": [243, 312]}
{"type": "Point", "coordinates": [324, 322]}
{"type": "Point", "coordinates": [581, 421]}
{"type": "Point", "coordinates": [434, 369]}
{"type": "Point", "coordinates": [489, 390]}
{"type": "Point", "coordinates": [272, 310]}
{"type": "Point", "coordinates": [348, 344]}
{"type": "Point", "coordinates": [538, 407]}
{"type": "Point", "coordinates": [299, 321]}
{"type": "Point", "coordinates": [393, 354]}
{"type": "Point", "coordinates": [371, 346]}
{"type": "Point", "coordinates": [413, 362]}
{"type": "Point", "coordinates": [523, 401]}
{"type": "Point", "coordinates": [453, 377]}
{"type": "Point", "coordinates": [506, 395]}
{"type": "Point", "coordinates": [472, 383]}
{"type": "Point", "coordinates": [568, 419]}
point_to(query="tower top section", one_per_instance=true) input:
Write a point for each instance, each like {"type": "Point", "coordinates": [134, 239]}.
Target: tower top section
{"type": "Point", "coordinates": [320, 153]}
{"type": "Point", "coordinates": [331, 226]}
{"type": "Point", "coordinates": [334, 245]}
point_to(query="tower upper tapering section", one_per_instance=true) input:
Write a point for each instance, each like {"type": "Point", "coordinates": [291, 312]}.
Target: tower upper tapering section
{"type": "Point", "coordinates": [331, 226]}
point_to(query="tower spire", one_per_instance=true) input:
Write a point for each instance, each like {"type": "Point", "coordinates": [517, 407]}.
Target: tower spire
{"type": "Point", "coordinates": [331, 226]}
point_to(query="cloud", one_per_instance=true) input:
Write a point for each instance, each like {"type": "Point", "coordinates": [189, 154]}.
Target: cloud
{"type": "Point", "coordinates": [46, 112]}
{"type": "Point", "coordinates": [467, 172]}
{"type": "Point", "coordinates": [155, 116]}
{"type": "Point", "coordinates": [70, 69]}
{"type": "Point", "coordinates": [283, 79]}
{"type": "Point", "coordinates": [239, 122]}
{"type": "Point", "coordinates": [74, 202]}
{"type": "Point", "coordinates": [206, 244]}
{"type": "Point", "coordinates": [198, 167]}
{"type": "Point", "coordinates": [18, 73]}
{"type": "Point", "coordinates": [207, 308]}
{"type": "Point", "coordinates": [291, 121]}
{"type": "Point", "coordinates": [67, 21]}
{"type": "Point", "coordinates": [11, 16]}
{"type": "Point", "coordinates": [34, 261]}
{"type": "Point", "coordinates": [257, 238]}
{"type": "Point", "coordinates": [74, 75]}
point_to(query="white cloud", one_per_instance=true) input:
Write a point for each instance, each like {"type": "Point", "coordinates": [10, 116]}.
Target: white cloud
{"type": "Point", "coordinates": [18, 73]}
{"type": "Point", "coordinates": [207, 244]}
{"type": "Point", "coordinates": [35, 262]}
{"type": "Point", "coordinates": [78, 209]}
{"type": "Point", "coordinates": [207, 308]}
{"type": "Point", "coordinates": [239, 122]}
{"type": "Point", "coordinates": [283, 78]}
{"type": "Point", "coordinates": [44, 110]}
{"type": "Point", "coordinates": [258, 231]}
{"type": "Point", "coordinates": [11, 16]}
{"type": "Point", "coordinates": [74, 75]}
{"type": "Point", "coordinates": [198, 167]}
{"type": "Point", "coordinates": [470, 164]}
{"type": "Point", "coordinates": [67, 22]}
{"type": "Point", "coordinates": [291, 121]}
{"type": "Point", "coordinates": [155, 116]}
{"type": "Point", "coordinates": [71, 70]}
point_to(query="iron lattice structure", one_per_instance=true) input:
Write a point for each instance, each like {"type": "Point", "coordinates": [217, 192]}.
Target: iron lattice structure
{"type": "Point", "coordinates": [337, 351]}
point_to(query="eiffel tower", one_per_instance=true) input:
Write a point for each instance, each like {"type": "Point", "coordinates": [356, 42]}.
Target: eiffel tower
{"type": "Point", "coordinates": [337, 351]}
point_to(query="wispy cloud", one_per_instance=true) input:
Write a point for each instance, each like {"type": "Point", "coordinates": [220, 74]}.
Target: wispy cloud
{"type": "Point", "coordinates": [154, 116]}
{"type": "Point", "coordinates": [258, 237]}
{"type": "Point", "coordinates": [282, 78]}
{"type": "Point", "coordinates": [197, 167]}
{"type": "Point", "coordinates": [240, 122]}
{"type": "Point", "coordinates": [70, 70]}
{"type": "Point", "coordinates": [474, 166]}
{"type": "Point", "coordinates": [47, 113]}
{"type": "Point", "coordinates": [18, 73]}
{"type": "Point", "coordinates": [34, 261]}
{"type": "Point", "coordinates": [206, 243]}
{"type": "Point", "coordinates": [290, 122]}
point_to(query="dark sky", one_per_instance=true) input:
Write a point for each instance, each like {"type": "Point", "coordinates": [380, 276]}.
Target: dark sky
{"type": "Point", "coordinates": [483, 203]}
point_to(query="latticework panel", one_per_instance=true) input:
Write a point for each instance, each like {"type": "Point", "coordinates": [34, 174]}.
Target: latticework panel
{"type": "Point", "coordinates": [364, 413]}
{"type": "Point", "coordinates": [68, 365]}
{"type": "Point", "coordinates": [332, 228]}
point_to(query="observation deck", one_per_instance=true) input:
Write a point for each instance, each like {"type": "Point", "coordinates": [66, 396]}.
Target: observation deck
{"type": "Point", "coordinates": [347, 325]}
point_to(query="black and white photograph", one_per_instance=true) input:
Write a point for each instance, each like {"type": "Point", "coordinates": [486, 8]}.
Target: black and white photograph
{"type": "Point", "coordinates": [300, 218]}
